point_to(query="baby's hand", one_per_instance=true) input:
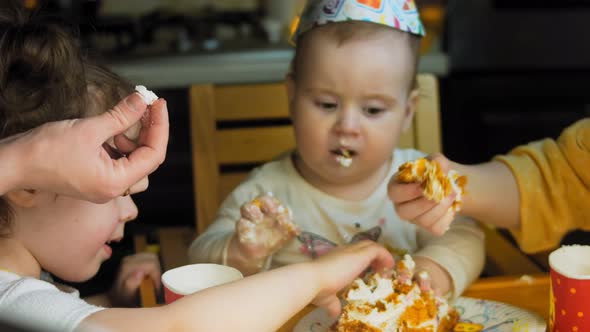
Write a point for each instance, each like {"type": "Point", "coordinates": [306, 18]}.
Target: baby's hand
{"type": "Point", "coordinates": [430, 276]}
{"type": "Point", "coordinates": [133, 270]}
{"type": "Point", "coordinates": [411, 204]}
{"type": "Point", "coordinates": [265, 226]}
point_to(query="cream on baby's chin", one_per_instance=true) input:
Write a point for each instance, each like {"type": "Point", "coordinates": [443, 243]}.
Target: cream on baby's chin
{"type": "Point", "coordinates": [344, 161]}
{"type": "Point", "coordinates": [148, 96]}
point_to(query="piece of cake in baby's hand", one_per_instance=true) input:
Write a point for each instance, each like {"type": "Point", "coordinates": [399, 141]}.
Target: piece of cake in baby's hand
{"type": "Point", "coordinates": [391, 304]}
{"type": "Point", "coordinates": [435, 183]}
{"type": "Point", "coordinates": [269, 207]}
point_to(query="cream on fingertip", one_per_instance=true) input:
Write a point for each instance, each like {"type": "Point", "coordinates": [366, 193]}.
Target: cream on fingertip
{"type": "Point", "coordinates": [148, 96]}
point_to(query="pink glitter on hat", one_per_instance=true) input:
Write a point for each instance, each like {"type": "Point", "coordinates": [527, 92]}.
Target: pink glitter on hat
{"type": "Point", "coordinates": [398, 14]}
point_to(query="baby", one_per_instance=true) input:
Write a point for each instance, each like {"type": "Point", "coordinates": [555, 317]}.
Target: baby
{"type": "Point", "coordinates": [352, 93]}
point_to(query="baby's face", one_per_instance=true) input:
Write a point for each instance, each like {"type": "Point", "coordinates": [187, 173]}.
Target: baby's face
{"type": "Point", "coordinates": [352, 97]}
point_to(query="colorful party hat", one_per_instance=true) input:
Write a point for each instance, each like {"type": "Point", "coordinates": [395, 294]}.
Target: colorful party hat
{"type": "Point", "coordinates": [399, 14]}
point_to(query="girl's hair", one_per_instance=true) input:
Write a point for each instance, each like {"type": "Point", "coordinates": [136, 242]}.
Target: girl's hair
{"type": "Point", "coordinates": [344, 32]}
{"type": "Point", "coordinates": [45, 77]}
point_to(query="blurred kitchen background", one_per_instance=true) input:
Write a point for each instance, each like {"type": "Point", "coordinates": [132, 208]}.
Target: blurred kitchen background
{"type": "Point", "coordinates": [510, 71]}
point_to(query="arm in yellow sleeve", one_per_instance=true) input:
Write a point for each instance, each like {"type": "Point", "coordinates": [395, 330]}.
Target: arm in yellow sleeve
{"type": "Point", "coordinates": [553, 179]}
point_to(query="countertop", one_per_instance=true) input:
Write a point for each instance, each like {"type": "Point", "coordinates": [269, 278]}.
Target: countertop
{"type": "Point", "coordinates": [225, 67]}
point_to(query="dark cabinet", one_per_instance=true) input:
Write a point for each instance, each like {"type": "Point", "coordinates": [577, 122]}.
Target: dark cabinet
{"type": "Point", "coordinates": [485, 115]}
{"type": "Point", "coordinates": [519, 71]}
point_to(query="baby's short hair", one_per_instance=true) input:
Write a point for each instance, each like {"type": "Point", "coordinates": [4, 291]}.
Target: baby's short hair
{"type": "Point", "coordinates": [347, 31]}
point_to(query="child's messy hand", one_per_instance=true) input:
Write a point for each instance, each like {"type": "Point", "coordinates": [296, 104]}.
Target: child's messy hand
{"type": "Point", "coordinates": [265, 226]}
{"type": "Point", "coordinates": [341, 266]}
{"type": "Point", "coordinates": [431, 276]}
{"type": "Point", "coordinates": [410, 203]}
{"type": "Point", "coordinates": [133, 270]}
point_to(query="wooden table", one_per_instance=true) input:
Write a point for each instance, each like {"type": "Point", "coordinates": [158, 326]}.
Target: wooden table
{"type": "Point", "coordinates": [528, 293]}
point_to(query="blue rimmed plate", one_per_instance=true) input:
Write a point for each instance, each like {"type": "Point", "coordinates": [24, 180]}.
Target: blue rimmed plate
{"type": "Point", "coordinates": [476, 316]}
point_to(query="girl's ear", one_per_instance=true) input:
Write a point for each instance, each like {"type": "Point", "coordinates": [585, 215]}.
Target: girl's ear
{"type": "Point", "coordinates": [25, 198]}
{"type": "Point", "coordinates": [411, 108]}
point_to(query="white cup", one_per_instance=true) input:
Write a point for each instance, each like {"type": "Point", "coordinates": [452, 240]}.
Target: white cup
{"type": "Point", "coordinates": [188, 279]}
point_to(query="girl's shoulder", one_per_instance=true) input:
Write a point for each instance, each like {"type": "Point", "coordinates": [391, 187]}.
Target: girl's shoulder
{"type": "Point", "coordinates": [57, 308]}
{"type": "Point", "coordinates": [15, 286]}
{"type": "Point", "coordinates": [9, 278]}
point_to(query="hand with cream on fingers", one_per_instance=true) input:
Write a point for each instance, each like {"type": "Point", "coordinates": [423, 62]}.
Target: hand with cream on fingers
{"type": "Point", "coordinates": [265, 227]}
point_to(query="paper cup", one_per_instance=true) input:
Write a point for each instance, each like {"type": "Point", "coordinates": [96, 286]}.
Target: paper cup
{"type": "Point", "coordinates": [188, 279]}
{"type": "Point", "coordinates": [570, 289]}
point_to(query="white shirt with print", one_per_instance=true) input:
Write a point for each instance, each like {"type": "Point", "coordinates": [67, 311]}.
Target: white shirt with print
{"type": "Point", "coordinates": [327, 221]}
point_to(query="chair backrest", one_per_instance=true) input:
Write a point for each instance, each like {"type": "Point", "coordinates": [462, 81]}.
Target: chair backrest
{"type": "Point", "coordinates": [232, 125]}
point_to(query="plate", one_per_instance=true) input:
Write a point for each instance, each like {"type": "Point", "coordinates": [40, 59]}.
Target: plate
{"type": "Point", "coordinates": [476, 316]}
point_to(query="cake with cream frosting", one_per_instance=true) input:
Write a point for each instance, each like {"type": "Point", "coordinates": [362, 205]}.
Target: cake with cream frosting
{"type": "Point", "coordinates": [394, 304]}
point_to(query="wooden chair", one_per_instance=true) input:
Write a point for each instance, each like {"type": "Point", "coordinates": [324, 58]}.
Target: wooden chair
{"type": "Point", "coordinates": [231, 127]}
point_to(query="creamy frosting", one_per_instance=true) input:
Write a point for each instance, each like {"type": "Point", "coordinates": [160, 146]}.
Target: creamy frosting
{"type": "Point", "coordinates": [148, 96]}
{"type": "Point", "coordinates": [384, 304]}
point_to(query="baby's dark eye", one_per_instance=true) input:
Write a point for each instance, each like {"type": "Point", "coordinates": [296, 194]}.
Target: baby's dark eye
{"type": "Point", "coordinates": [374, 110]}
{"type": "Point", "coordinates": [326, 105]}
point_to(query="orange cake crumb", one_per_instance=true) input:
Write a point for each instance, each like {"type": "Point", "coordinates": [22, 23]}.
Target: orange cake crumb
{"type": "Point", "coordinates": [387, 304]}
{"type": "Point", "coordinates": [436, 185]}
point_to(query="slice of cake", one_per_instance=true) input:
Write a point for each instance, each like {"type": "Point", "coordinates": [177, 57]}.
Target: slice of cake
{"type": "Point", "coordinates": [378, 304]}
{"type": "Point", "coordinates": [435, 183]}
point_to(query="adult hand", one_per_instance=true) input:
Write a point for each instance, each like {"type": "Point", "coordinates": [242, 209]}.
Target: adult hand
{"type": "Point", "coordinates": [411, 205]}
{"type": "Point", "coordinates": [341, 266]}
{"type": "Point", "coordinates": [68, 157]}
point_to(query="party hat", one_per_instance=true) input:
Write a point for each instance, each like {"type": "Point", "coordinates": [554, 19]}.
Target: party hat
{"type": "Point", "coordinates": [398, 14]}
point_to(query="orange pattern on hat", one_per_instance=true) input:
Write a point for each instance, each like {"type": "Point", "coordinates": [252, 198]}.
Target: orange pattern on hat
{"type": "Point", "coordinates": [376, 4]}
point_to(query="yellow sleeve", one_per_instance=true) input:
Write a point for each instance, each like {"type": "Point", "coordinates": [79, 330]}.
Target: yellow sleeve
{"type": "Point", "coordinates": [554, 185]}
